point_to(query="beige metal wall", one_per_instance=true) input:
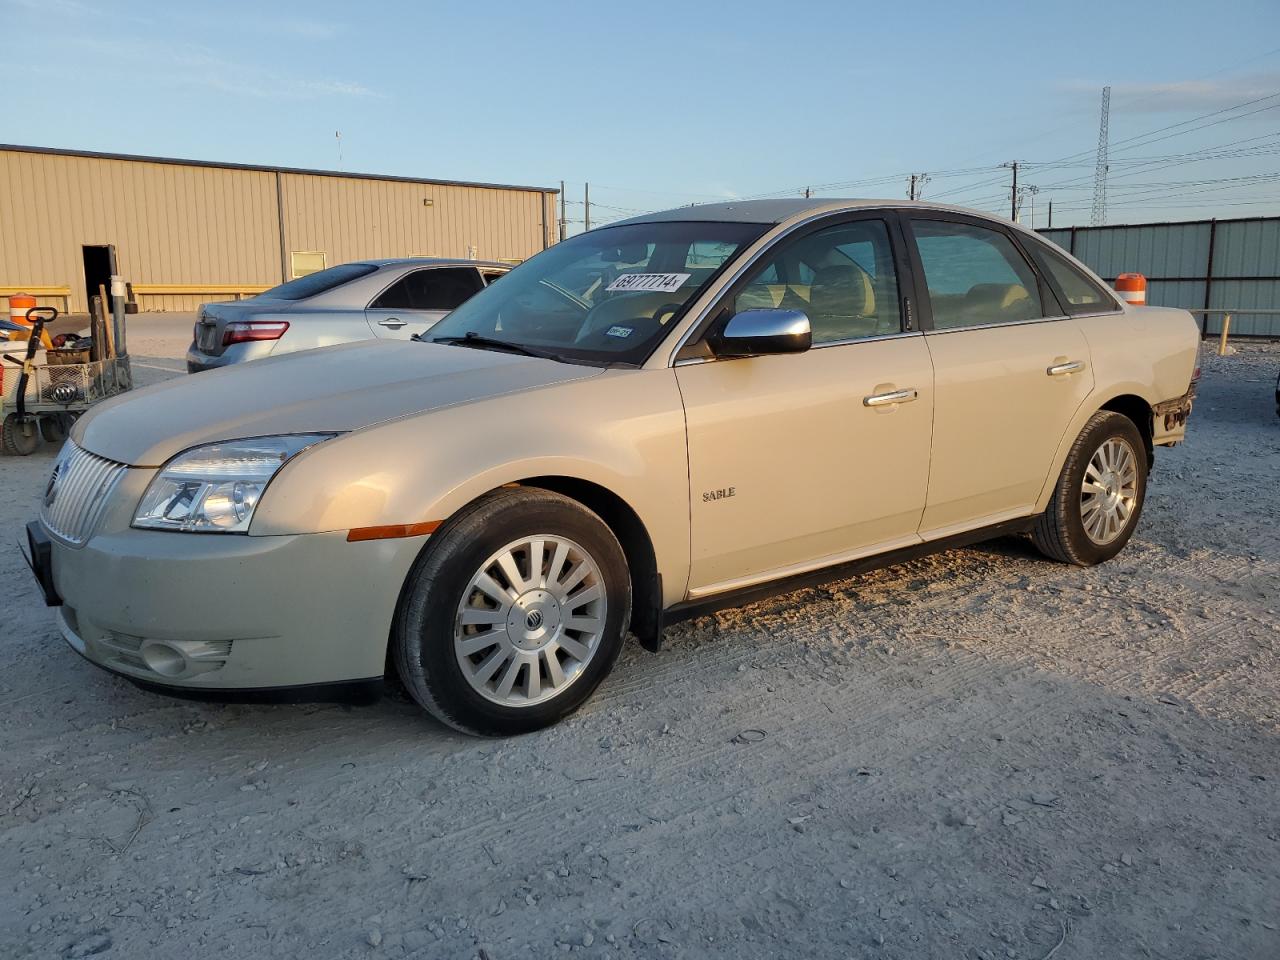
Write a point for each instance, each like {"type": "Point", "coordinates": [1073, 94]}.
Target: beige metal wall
{"type": "Point", "coordinates": [183, 225]}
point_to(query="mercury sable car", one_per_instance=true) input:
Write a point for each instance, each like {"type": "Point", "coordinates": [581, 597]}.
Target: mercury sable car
{"type": "Point", "coordinates": [677, 412]}
{"type": "Point", "coordinates": [396, 299]}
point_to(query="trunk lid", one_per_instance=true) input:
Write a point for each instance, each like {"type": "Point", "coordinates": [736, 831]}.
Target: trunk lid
{"type": "Point", "coordinates": [212, 319]}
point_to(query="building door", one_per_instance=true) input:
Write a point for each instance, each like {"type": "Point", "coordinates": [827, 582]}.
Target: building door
{"type": "Point", "coordinates": [99, 266]}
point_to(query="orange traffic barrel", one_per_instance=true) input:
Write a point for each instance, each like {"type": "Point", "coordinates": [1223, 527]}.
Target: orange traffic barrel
{"type": "Point", "coordinates": [1132, 288]}
{"type": "Point", "coordinates": [19, 304]}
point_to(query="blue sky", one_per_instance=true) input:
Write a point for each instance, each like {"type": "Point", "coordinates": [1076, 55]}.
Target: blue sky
{"type": "Point", "coordinates": [662, 104]}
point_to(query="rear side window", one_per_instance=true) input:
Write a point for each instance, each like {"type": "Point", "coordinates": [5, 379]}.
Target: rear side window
{"type": "Point", "coordinates": [975, 275]}
{"type": "Point", "coordinates": [1078, 293]}
{"type": "Point", "coordinates": [441, 288]}
{"type": "Point", "coordinates": [320, 281]}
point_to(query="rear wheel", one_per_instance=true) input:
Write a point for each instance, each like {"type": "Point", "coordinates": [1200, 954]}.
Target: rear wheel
{"type": "Point", "coordinates": [19, 435]}
{"type": "Point", "coordinates": [514, 613]}
{"type": "Point", "coordinates": [1099, 496]}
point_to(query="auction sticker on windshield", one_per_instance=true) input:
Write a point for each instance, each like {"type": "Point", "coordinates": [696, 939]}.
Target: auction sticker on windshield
{"type": "Point", "coordinates": [659, 282]}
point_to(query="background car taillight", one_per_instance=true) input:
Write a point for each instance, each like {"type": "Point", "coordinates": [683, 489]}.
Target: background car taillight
{"type": "Point", "coordinates": [246, 331]}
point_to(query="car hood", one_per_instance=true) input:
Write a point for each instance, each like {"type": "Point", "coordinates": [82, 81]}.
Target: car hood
{"type": "Point", "coordinates": [337, 389]}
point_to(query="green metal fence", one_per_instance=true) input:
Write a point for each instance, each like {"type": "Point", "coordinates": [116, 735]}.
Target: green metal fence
{"type": "Point", "coordinates": [1207, 265]}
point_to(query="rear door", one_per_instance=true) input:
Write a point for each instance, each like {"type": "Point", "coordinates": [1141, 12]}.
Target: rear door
{"type": "Point", "coordinates": [1010, 371]}
{"type": "Point", "coordinates": [414, 303]}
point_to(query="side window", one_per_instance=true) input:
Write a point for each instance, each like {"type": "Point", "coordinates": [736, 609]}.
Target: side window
{"type": "Point", "coordinates": [842, 277]}
{"type": "Point", "coordinates": [441, 288]}
{"type": "Point", "coordinates": [1078, 292]}
{"type": "Point", "coordinates": [975, 275]}
{"type": "Point", "coordinates": [446, 287]}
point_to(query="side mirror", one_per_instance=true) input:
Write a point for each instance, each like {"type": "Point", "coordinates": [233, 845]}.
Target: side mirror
{"type": "Point", "coordinates": [754, 333]}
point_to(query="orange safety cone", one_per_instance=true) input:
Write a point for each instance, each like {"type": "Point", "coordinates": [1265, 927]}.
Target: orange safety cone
{"type": "Point", "coordinates": [19, 304]}
{"type": "Point", "coordinates": [1132, 288]}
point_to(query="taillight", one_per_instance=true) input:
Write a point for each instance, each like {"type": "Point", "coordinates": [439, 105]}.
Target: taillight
{"type": "Point", "coordinates": [1195, 377]}
{"type": "Point", "coordinates": [246, 331]}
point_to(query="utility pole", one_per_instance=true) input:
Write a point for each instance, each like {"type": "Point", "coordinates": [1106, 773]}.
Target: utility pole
{"type": "Point", "coordinates": [911, 189]}
{"type": "Point", "coordinates": [1013, 192]}
{"type": "Point", "coordinates": [1099, 215]}
{"type": "Point", "coordinates": [1050, 213]}
{"type": "Point", "coordinates": [806, 193]}
{"type": "Point", "coordinates": [586, 206]}
{"type": "Point", "coordinates": [1030, 190]}
{"type": "Point", "coordinates": [562, 220]}
{"type": "Point", "coordinates": [915, 190]}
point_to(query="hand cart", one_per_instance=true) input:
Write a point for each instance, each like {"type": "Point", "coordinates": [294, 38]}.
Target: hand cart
{"type": "Point", "coordinates": [43, 392]}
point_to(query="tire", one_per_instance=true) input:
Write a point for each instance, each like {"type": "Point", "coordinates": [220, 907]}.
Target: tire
{"type": "Point", "coordinates": [19, 439]}
{"type": "Point", "coordinates": [457, 670]}
{"type": "Point", "coordinates": [54, 427]}
{"type": "Point", "coordinates": [1087, 527]}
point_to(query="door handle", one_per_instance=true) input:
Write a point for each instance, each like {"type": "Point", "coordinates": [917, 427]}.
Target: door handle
{"type": "Point", "coordinates": [1062, 369]}
{"type": "Point", "coordinates": [894, 396]}
{"type": "Point", "coordinates": [393, 323]}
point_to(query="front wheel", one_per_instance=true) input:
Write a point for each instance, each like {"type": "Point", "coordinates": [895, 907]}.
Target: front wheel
{"type": "Point", "coordinates": [1099, 496]}
{"type": "Point", "coordinates": [513, 614]}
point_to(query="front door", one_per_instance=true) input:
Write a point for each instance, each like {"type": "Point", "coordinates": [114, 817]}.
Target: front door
{"type": "Point", "coordinates": [417, 301]}
{"type": "Point", "coordinates": [801, 461]}
{"type": "Point", "coordinates": [1009, 370]}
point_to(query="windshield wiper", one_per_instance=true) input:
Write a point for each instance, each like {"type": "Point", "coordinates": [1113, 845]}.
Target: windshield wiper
{"type": "Point", "coordinates": [473, 339]}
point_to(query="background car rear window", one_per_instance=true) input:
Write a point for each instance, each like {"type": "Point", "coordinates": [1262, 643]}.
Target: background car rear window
{"type": "Point", "coordinates": [320, 281]}
{"type": "Point", "coordinates": [975, 275]}
{"type": "Point", "coordinates": [1081, 294]}
{"type": "Point", "coordinates": [436, 288]}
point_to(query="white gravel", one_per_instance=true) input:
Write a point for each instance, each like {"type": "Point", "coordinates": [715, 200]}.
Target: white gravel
{"type": "Point", "coordinates": [977, 755]}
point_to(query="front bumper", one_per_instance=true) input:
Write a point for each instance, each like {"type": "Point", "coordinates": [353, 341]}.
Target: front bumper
{"type": "Point", "coordinates": [221, 612]}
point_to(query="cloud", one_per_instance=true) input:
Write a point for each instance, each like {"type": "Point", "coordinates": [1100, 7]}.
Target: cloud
{"type": "Point", "coordinates": [1189, 96]}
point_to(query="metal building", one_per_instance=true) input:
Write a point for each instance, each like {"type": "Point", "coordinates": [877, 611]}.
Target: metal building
{"type": "Point", "coordinates": [185, 231]}
{"type": "Point", "coordinates": [1194, 264]}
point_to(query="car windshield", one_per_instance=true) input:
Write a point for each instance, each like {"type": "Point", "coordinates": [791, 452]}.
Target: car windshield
{"type": "Point", "coordinates": [607, 296]}
{"type": "Point", "coordinates": [320, 281]}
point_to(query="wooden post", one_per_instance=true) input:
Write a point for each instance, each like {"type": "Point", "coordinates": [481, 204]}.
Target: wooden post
{"type": "Point", "coordinates": [1222, 341]}
{"type": "Point", "coordinates": [108, 348]}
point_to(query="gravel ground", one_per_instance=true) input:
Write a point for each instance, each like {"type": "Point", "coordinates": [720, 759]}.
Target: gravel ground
{"type": "Point", "coordinates": [979, 755]}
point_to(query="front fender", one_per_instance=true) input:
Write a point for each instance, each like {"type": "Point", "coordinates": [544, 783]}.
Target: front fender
{"type": "Point", "coordinates": [623, 430]}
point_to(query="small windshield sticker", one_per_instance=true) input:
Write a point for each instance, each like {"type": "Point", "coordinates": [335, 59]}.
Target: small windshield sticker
{"type": "Point", "coordinates": [619, 331]}
{"type": "Point", "coordinates": [660, 282]}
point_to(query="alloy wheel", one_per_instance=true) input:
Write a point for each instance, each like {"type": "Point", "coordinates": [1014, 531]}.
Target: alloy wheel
{"type": "Point", "coordinates": [1109, 490]}
{"type": "Point", "coordinates": [530, 620]}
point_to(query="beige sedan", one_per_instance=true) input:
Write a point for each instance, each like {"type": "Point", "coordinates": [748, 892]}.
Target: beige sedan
{"type": "Point", "coordinates": [646, 422]}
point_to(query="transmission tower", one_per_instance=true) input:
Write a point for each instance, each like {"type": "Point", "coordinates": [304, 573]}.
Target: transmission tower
{"type": "Point", "coordinates": [1099, 216]}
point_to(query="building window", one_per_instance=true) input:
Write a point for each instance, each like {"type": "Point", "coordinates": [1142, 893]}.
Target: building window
{"type": "Point", "coordinates": [304, 262]}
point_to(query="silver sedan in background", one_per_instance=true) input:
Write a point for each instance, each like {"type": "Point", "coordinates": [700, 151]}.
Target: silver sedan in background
{"type": "Point", "coordinates": [393, 299]}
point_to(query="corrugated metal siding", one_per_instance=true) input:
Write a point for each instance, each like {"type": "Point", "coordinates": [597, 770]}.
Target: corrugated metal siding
{"type": "Point", "coordinates": [1244, 275]}
{"type": "Point", "coordinates": [1187, 294]}
{"type": "Point", "coordinates": [1247, 295]}
{"type": "Point", "coordinates": [175, 224]}
{"type": "Point", "coordinates": [1061, 237]}
{"type": "Point", "coordinates": [1247, 249]}
{"type": "Point", "coordinates": [354, 219]}
{"type": "Point", "coordinates": [169, 224]}
{"type": "Point", "coordinates": [1156, 251]}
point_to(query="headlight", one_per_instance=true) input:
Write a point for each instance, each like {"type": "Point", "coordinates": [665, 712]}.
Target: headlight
{"type": "Point", "coordinates": [215, 488]}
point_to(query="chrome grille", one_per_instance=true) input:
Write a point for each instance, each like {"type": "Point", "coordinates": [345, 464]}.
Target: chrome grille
{"type": "Point", "coordinates": [78, 492]}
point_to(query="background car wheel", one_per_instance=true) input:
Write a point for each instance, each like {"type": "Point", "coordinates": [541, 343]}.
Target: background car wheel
{"type": "Point", "coordinates": [54, 427]}
{"type": "Point", "coordinates": [1099, 496]}
{"type": "Point", "coordinates": [20, 438]}
{"type": "Point", "coordinates": [513, 614]}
